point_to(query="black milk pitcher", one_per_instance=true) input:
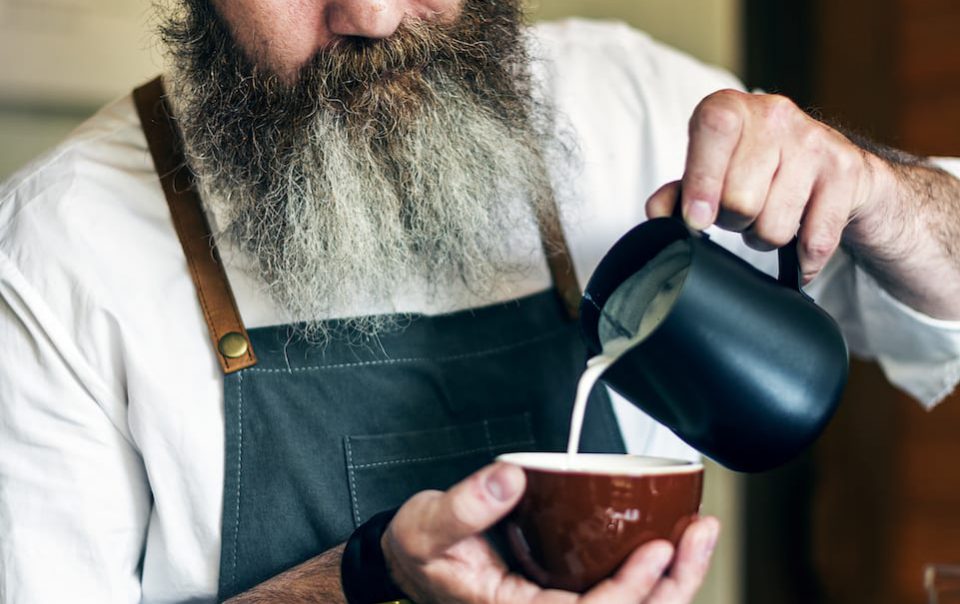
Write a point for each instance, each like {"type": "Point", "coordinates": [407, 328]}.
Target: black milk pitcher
{"type": "Point", "coordinates": [743, 367]}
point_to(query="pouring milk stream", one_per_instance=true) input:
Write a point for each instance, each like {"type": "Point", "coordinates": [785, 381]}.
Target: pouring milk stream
{"type": "Point", "coordinates": [672, 267]}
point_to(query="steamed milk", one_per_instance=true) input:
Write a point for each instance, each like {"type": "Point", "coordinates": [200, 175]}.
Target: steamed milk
{"type": "Point", "coordinates": [595, 368]}
{"type": "Point", "coordinates": [651, 294]}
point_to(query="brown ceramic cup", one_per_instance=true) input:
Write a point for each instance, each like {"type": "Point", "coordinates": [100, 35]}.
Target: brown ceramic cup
{"type": "Point", "coordinates": [576, 524]}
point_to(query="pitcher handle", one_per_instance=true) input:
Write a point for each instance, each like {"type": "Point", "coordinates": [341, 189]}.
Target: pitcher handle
{"type": "Point", "coordinates": [789, 273]}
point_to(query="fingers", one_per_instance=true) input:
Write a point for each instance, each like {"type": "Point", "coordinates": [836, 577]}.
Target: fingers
{"type": "Point", "coordinates": [636, 579]}
{"type": "Point", "coordinates": [826, 217]}
{"type": "Point", "coordinates": [661, 203]}
{"type": "Point", "coordinates": [759, 165]}
{"type": "Point", "coordinates": [434, 552]}
{"type": "Point", "coordinates": [432, 546]}
{"type": "Point", "coordinates": [746, 190]}
{"type": "Point", "coordinates": [690, 564]}
{"type": "Point", "coordinates": [467, 509]}
{"type": "Point", "coordinates": [837, 195]}
{"type": "Point", "coordinates": [715, 131]}
{"type": "Point", "coordinates": [514, 589]}
{"type": "Point", "coordinates": [777, 224]}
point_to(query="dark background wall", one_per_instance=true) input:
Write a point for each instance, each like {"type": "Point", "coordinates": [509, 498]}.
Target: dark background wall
{"type": "Point", "coordinates": [879, 497]}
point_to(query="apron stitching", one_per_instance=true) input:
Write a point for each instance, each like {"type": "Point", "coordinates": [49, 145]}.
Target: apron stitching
{"type": "Point", "coordinates": [486, 433]}
{"type": "Point", "coordinates": [236, 522]}
{"type": "Point", "coordinates": [353, 482]}
{"type": "Point", "coordinates": [393, 462]}
{"type": "Point", "coordinates": [457, 357]}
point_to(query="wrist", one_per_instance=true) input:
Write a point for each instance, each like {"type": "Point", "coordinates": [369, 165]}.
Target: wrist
{"type": "Point", "coordinates": [364, 574]}
{"type": "Point", "coordinates": [868, 230]}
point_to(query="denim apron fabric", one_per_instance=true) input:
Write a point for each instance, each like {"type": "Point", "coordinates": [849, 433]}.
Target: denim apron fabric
{"type": "Point", "coordinates": [320, 438]}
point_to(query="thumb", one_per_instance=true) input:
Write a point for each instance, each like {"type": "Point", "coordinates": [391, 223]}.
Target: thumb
{"type": "Point", "coordinates": [661, 204]}
{"type": "Point", "coordinates": [473, 505]}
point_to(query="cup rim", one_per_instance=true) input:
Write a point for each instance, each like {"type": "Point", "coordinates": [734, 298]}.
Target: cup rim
{"type": "Point", "coordinates": [613, 464]}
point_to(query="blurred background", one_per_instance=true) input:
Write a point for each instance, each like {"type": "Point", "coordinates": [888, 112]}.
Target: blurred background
{"type": "Point", "coordinates": [878, 498]}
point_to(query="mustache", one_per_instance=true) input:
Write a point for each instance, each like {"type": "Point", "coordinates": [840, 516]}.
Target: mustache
{"type": "Point", "coordinates": [382, 82]}
{"type": "Point", "coordinates": [362, 61]}
{"type": "Point", "coordinates": [360, 78]}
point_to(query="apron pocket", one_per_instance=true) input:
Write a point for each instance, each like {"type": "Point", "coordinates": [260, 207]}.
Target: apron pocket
{"type": "Point", "coordinates": [387, 469]}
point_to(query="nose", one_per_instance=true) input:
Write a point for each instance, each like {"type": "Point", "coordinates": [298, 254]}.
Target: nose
{"type": "Point", "coordinates": [364, 18]}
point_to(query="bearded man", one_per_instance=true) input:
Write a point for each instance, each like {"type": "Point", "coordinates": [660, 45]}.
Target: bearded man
{"type": "Point", "coordinates": [379, 190]}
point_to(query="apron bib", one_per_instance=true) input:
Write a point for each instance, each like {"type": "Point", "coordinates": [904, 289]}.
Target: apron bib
{"type": "Point", "coordinates": [318, 439]}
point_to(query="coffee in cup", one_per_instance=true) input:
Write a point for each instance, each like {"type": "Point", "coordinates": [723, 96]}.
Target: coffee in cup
{"type": "Point", "coordinates": [582, 516]}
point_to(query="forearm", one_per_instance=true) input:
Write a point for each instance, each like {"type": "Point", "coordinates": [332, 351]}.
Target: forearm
{"type": "Point", "coordinates": [316, 581]}
{"type": "Point", "coordinates": [909, 239]}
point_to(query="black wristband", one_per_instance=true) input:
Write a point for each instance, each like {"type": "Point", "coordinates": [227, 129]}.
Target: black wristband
{"type": "Point", "coordinates": [363, 569]}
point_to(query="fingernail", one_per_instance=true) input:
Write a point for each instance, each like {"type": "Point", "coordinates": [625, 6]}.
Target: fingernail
{"type": "Point", "coordinates": [503, 483]}
{"type": "Point", "coordinates": [699, 215]}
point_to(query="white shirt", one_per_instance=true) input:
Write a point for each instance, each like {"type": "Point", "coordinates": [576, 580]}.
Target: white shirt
{"type": "Point", "coordinates": [111, 411]}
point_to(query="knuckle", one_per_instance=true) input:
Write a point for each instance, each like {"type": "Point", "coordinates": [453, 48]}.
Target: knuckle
{"type": "Point", "coordinates": [717, 115]}
{"type": "Point", "coordinates": [423, 499]}
{"type": "Point", "coordinates": [726, 95]}
{"type": "Point", "coordinates": [408, 544]}
{"type": "Point", "coordinates": [721, 120]}
{"type": "Point", "coordinates": [846, 162]}
{"type": "Point", "coordinates": [415, 546]}
{"type": "Point", "coordinates": [812, 140]}
{"type": "Point", "coordinates": [775, 234]}
{"type": "Point", "coordinates": [820, 245]}
{"type": "Point", "coordinates": [509, 590]}
{"type": "Point", "coordinates": [701, 185]}
{"type": "Point", "coordinates": [779, 108]}
{"type": "Point", "coordinates": [409, 532]}
{"type": "Point", "coordinates": [774, 114]}
{"type": "Point", "coordinates": [464, 508]}
{"type": "Point", "coordinates": [743, 203]}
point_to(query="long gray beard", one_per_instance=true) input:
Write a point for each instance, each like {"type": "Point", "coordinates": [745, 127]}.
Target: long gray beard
{"type": "Point", "coordinates": [338, 221]}
{"type": "Point", "coordinates": [416, 161]}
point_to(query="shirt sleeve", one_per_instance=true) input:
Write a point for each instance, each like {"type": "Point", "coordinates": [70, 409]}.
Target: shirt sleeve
{"type": "Point", "coordinates": [74, 500]}
{"type": "Point", "coordinates": [918, 354]}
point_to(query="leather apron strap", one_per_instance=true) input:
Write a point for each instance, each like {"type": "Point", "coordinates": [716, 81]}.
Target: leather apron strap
{"type": "Point", "coordinates": [226, 328]}
{"type": "Point", "coordinates": [560, 261]}
{"type": "Point", "coordinates": [227, 332]}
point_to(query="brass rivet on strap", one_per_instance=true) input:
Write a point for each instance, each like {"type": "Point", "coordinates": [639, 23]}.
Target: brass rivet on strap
{"type": "Point", "coordinates": [233, 345]}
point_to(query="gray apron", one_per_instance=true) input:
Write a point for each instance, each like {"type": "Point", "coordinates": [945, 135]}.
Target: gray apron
{"type": "Point", "coordinates": [318, 439]}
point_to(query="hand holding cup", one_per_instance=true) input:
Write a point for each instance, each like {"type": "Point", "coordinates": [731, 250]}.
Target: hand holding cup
{"type": "Point", "coordinates": [436, 552]}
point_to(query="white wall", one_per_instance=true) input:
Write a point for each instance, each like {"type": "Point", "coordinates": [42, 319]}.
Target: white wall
{"type": "Point", "coordinates": [707, 29]}
{"type": "Point", "coordinates": [59, 61]}
{"type": "Point", "coordinates": [24, 134]}
{"type": "Point", "coordinates": [73, 52]}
